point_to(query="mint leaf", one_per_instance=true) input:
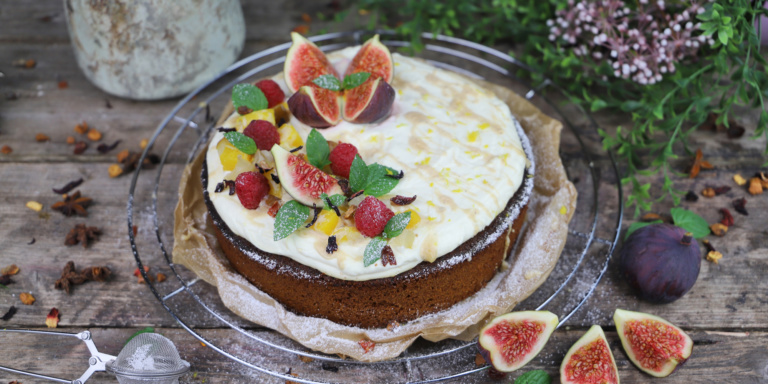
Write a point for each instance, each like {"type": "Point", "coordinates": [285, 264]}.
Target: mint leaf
{"type": "Point", "coordinates": [337, 200]}
{"type": "Point", "coordinates": [318, 150]}
{"type": "Point", "coordinates": [139, 332]}
{"type": "Point", "coordinates": [242, 142]}
{"type": "Point", "coordinates": [289, 218]}
{"type": "Point", "coordinates": [397, 224]}
{"type": "Point", "coordinates": [328, 82]}
{"type": "Point", "coordinates": [355, 79]}
{"type": "Point", "coordinates": [638, 225]}
{"type": "Point", "coordinates": [534, 377]}
{"type": "Point", "coordinates": [378, 182]}
{"type": "Point", "coordinates": [373, 250]}
{"type": "Point", "coordinates": [358, 174]}
{"type": "Point", "coordinates": [250, 96]}
{"type": "Point", "coordinates": [690, 221]}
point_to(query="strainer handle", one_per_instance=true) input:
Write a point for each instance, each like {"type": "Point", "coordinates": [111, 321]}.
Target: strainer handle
{"type": "Point", "coordinates": [97, 360]}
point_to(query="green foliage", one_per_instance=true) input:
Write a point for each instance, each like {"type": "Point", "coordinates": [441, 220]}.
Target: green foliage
{"type": "Point", "coordinates": [729, 73]}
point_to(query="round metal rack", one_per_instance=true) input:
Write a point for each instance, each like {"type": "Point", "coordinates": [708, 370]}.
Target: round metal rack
{"type": "Point", "coordinates": [593, 232]}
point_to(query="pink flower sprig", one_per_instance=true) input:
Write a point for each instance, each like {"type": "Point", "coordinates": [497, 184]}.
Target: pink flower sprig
{"type": "Point", "coordinates": [640, 44]}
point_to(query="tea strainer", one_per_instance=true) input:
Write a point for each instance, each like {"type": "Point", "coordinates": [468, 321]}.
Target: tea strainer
{"type": "Point", "coordinates": [148, 358]}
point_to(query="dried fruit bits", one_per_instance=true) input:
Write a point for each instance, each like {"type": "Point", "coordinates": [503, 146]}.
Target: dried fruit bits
{"type": "Point", "coordinates": [341, 159]}
{"type": "Point", "coordinates": [263, 133]}
{"type": "Point", "coordinates": [272, 91]}
{"type": "Point", "coordinates": [372, 216]}
{"type": "Point", "coordinates": [251, 187]}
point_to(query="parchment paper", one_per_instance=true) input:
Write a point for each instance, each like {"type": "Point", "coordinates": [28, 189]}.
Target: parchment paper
{"type": "Point", "coordinates": [538, 250]}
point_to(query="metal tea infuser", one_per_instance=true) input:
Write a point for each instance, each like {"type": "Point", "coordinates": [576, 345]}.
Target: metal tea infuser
{"type": "Point", "coordinates": [148, 358]}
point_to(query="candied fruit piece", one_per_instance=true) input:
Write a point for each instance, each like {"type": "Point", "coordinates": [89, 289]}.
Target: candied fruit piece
{"type": "Point", "coordinates": [326, 222]}
{"type": "Point", "coordinates": [228, 155]}
{"type": "Point", "coordinates": [289, 138]}
{"type": "Point", "coordinates": [415, 218]}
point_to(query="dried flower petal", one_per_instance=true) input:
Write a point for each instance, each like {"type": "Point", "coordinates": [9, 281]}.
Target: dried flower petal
{"type": "Point", "coordinates": [10, 270]}
{"type": "Point", "coordinates": [708, 192]}
{"type": "Point", "coordinates": [367, 345]}
{"type": "Point", "coordinates": [402, 200]}
{"type": "Point", "coordinates": [5, 280]}
{"type": "Point", "coordinates": [104, 148]}
{"type": "Point", "coordinates": [306, 359]}
{"type": "Point", "coordinates": [727, 217]}
{"type": "Point", "coordinates": [388, 256]}
{"type": "Point", "coordinates": [650, 217]}
{"type": "Point", "coordinates": [740, 180]}
{"type": "Point", "coordinates": [718, 229]}
{"type": "Point", "coordinates": [691, 196]}
{"type": "Point", "coordinates": [41, 137]}
{"type": "Point", "coordinates": [94, 135]}
{"type": "Point", "coordinates": [332, 245]}
{"type": "Point", "coordinates": [70, 140]}
{"type": "Point", "coordinates": [63, 84]}
{"type": "Point", "coordinates": [52, 320]}
{"type": "Point", "coordinates": [721, 190]}
{"type": "Point", "coordinates": [740, 205]}
{"type": "Point", "coordinates": [479, 360]}
{"type": "Point", "coordinates": [755, 186]}
{"type": "Point", "coordinates": [81, 128]}
{"type": "Point", "coordinates": [68, 187]}
{"type": "Point", "coordinates": [8, 315]}
{"type": "Point", "coordinates": [161, 277]}
{"type": "Point", "coordinates": [34, 205]}
{"type": "Point", "coordinates": [714, 256]}
{"type": "Point", "coordinates": [137, 273]}
{"type": "Point", "coordinates": [26, 298]}
{"type": "Point", "coordinates": [696, 167]}
{"type": "Point", "coordinates": [274, 208]}
{"type": "Point", "coordinates": [6, 150]}
{"type": "Point", "coordinates": [115, 170]}
{"type": "Point", "coordinates": [80, 147]}
{"type": "Point", "coordinates": [143, 143]}
{"type": "Point", "coordinates": [708, 245]}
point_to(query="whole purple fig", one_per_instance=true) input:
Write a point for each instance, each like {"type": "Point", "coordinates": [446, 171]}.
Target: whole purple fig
{"type": "Point", "coordinates": [661, 262]}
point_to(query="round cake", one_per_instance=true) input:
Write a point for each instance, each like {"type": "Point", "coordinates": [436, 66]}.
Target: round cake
{"type": "Point", "coordinates": [461, 154]}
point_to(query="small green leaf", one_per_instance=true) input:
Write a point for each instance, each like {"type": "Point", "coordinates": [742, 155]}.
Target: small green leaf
{"type": "Point", "coordinates": [358, 174]}
{"type": "Point", "coordinates": [378, 183]}
{"type": "Point", "coordinates": [397, 224]}
{"type": "Point", "coordinates": [328, 82]}
{"type": "Point", "coordinates": [723, 36]}
{"type": "Point", "coordinates": [534, 377]}
{"type": "Point", "coordinates": [139, 332]}
{"type": "Point", "coordinates": [597, 105]}
{"type": "Point", "coordinates": [690, 221]}
{"type": "Point", "coordinates": [248, 95]}
{"type": "Point", "coordinates": [291, 216]}
{"type": "Point", "coordinates": [318, 150]}
{"type": "Point", "coordinates": [355, 79]}
{"type": "Point", "coordinates": [336, 199]}
{"type": "Point", "coordinates": [373, 250]}
{"type": "Point", "coordinates": [242, 142]}
{"type": "Point", "coordinates": [637, 225]}
{"type": "Point", "coordinates": [658, 111]}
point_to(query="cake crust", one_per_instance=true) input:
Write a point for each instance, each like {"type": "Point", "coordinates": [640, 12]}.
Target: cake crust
{"type": "Point", "coordinates": [377, 303]}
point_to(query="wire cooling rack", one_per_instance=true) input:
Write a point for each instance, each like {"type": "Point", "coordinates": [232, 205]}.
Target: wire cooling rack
{"type": "Point", "coordinates": [592, 237]}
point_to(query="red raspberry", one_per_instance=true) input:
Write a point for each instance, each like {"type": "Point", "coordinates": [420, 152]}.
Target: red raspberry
{"type": "Point", "coordinates": [272, 91]}
{"type": "Point", "coordinates": [251, 187]}
{"type": "Point", "coordinates": [341, 159]}
{"type": "Point", "coordinates": [372, 216]}
{"type": "Point", "coordinates": [263, 133]}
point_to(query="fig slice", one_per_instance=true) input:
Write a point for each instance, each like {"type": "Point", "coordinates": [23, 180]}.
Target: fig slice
{"type": "Point", "coordinates": [369, 102]}
{"type": "Point", "coordinates": [305, 62]}
{"type": "Point", "coordinates": [590, 361]}
{"type": "Point", "coordinates": [315, 106]}
{"type": "Point", "coordinates": [374, 58]}
{"type": "Point", "coordinates": [304, 182]}
{"type": "Point", "coordinates": [653, 344]}
{"type": "Point", "coordinates": [510, 341]}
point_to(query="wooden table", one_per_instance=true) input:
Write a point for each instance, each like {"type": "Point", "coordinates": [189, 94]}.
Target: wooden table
{"type": "Point", "coordinates": [725, 313]}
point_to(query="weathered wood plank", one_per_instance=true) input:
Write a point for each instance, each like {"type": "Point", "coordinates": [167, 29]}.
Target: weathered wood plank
{"type": "Point", "coordinates": [720, 358]}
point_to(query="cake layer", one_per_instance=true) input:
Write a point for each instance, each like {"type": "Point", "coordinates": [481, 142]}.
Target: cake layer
{"type": "Point", "coordinates": [458, 146]}
{"type": "Point", "coordinates": [427, 288]}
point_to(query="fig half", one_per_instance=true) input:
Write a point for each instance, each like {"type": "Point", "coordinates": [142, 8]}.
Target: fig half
{"type": "Point", "coordinates": [369, 102]}
{"type": "Point", "coordinates": [510, 341]}
{"type": "Point", "coordinates": [590, 361]}
{"type": "Point", "coordinates": [653, 344]}
{"type": "Point", "coordinates": [304, 182]}
{"type": "Point", "coordinates": [374, 58]}
{"type": "Point", "coordinates": [315, 106]}
{"type": "Point", "coordinates": [661, 262]}
{"type": "Point", "coordinates": [305, 62]}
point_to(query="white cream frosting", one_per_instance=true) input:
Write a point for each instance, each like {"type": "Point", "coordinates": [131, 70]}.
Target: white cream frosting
{"type": "Point", "coordinates": [458, 146]}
